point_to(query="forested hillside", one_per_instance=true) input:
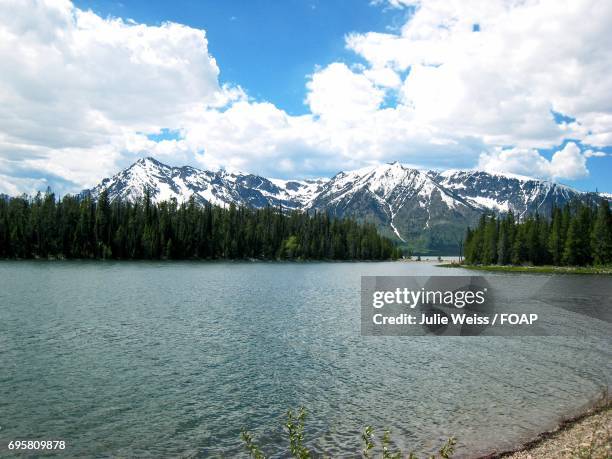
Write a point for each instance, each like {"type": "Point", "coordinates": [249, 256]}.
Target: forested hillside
{"type": "Point", "coordinates": [577, 235]}
{"type": "Point", "coordinates": [45, 227]}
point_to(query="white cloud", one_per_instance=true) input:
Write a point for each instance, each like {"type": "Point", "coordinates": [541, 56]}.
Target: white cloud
{"type": "Point", "coordinates": [14, 186]}
{"type": "Point", "coordinates": [501, 83]}
{"type": "Point", "coordinates": [567, 163]}
{"type": "Point", "coordinates": [79, 95]}
{"type": "Point", "coordinates": [74, 87]}
{"type": "Point", "coordinates": [336, 93]}
{"type": "Point", "coordinates": [595, 154]}
{"type": "Point", "coordinates": [383, 77]}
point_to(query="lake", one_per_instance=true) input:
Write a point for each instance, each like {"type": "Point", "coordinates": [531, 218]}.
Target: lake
{"type": "Point", "coordinates": [167, 359]}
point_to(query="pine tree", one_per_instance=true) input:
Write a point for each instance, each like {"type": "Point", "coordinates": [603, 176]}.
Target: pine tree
{"type": "Point", "coordinates": [103, 226]}
{"type": "Point", "coordinates": [519, 248]}
{"type": "Point", "coordinates": [489, 255]}
{"type": "Point", "coordinates": [503, 246]}
{"type": "Point", "coordinates": [474, 249]}
{"type": "Point", "coordinates": [601, 238]}
{"type": "Point", "coordinates": [571, 251]}
{"type": "Point", "coordinates": [583, 235]}
{"type": "Point", "coordinates": [556, 237]}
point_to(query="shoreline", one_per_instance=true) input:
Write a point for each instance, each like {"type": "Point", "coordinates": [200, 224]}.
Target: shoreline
{"type": "Point", "coordinates": [606, 271]}
{"type": "Point", "coordinates": [198, 260]}
{"type": "Point", "coordinates": [587, 431]}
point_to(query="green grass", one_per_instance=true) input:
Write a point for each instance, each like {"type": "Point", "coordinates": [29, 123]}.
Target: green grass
{"type": "Point", "coordinates": [606, 270]}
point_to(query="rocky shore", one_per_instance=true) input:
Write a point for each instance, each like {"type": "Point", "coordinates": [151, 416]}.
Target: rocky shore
{"type": "Point", "coordinates": [585, 437]}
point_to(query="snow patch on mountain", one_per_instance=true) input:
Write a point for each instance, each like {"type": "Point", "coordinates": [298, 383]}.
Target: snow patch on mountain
{"type": "Point", "coordinates": [300, 191]}
{"type": "Point", "coordinates": [221, 188]}
{"type": "Point", "coordinates": [402, 201]}
{"type": "Point", "coordinates": [607, 196]}
{"type": "Point", "coordinates": [499, 192]}
{"type": "Point", "coordinates": [489, 203]}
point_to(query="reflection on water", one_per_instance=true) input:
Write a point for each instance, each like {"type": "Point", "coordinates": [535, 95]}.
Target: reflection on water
{"type": "Point", "coordinates": [167, 359]}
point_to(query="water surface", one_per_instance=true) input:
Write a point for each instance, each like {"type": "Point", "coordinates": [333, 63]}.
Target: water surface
{"type": "Point", "coordinates": [173, 358]}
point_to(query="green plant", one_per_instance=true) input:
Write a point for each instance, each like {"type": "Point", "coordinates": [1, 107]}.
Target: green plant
{"type": "Point", "coordinates": [448, 449]}
{"type": "Point", "coordinates": [295, 429]}
{"type": "Point", "coordinates": [252, 448]}
{"type": "Point", "coordinates": [366, 436]}
{"type": "Point", "coordinates": [294, 426]}
{"type": "Point", "coordinates": [386, 440]}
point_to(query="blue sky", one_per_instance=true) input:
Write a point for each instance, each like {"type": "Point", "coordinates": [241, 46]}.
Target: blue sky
{"type": "Point", "coordinates": [268, 47]}
{"type": "Point", "coordinates": [600, 172]}
{"type": "Point", "coordinates": [304, 88]}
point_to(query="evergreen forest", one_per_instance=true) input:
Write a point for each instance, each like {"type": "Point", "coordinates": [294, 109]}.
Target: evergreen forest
{"type": "Point", "coordinates": [77, 227]}
{"type": "Point", "coordinates": [579, 234]}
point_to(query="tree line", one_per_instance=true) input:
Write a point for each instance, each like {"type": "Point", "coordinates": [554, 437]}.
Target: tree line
{"type": "Point", "coordinates": [579, 234]}
{"type": "Point", "coordinates": [81, 227]}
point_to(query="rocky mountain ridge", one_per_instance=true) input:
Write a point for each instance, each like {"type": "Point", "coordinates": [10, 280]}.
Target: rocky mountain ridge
{"type": "Point", "coordinates": [425, 209]}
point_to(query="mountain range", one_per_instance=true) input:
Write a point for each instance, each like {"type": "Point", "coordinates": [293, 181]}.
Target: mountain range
{"type": "Point", "coordinates": [426, 210]}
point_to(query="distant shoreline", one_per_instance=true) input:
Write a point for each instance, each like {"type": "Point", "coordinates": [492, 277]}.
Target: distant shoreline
{"type": "Point", "coordinates": [202, 260]}
{"type": "Point", "coordinates": [533, 269]}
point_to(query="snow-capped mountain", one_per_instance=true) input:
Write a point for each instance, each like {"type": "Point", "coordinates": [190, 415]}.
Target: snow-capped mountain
{"type": "Point", "coordinates": [219, 188]}
{"type": "Point", "coordinates": [504, 192]}
{"type": "Point", "coordinates": [403, 202]}
{"type": "Point", "coordinates": [427, 209]}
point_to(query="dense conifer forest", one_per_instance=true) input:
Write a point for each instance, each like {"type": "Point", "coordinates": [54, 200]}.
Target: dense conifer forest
{"type": "Point", "coordinates": [577, 235]}
{"type": "Point", "coordinates": [79, 227]}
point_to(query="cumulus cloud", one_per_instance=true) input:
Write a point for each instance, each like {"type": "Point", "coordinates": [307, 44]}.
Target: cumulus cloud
{"type": "Point", "coordinates": [81, 95]}
{"type": "Point", "coordinates": [495, 68]}
{"type": "Point", "coordinates": [75, 87]}
{"type": "Point", "coordinates": [567, 163]}
{"type": "Point", "coordinates": [336, 93]}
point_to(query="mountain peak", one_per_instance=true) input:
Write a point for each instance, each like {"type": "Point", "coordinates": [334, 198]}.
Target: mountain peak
{"type": "Point", "coordinates": [149, 160]}
{"type": "Point", "coordinates": [220, 188]}
{"type": "Point", "coordinates": [402, 201]}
